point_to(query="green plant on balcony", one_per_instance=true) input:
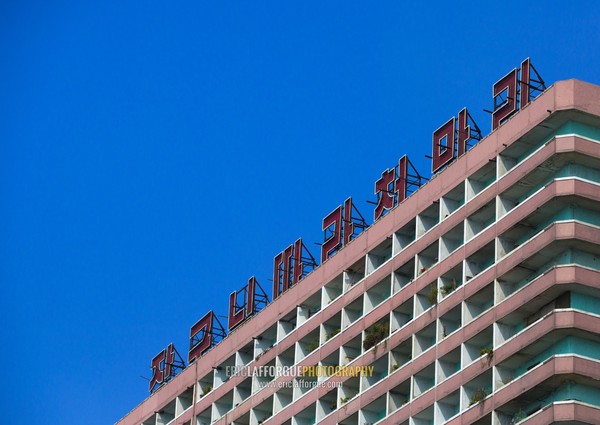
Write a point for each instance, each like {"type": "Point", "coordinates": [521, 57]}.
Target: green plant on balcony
{"type": "Point", "coordinates": [478, 395]}
{"type": "Point", "coordinates": [518, 417]}
{"type": "Point", "coordinates": [448, 287]}
{"type": "Point", "coordinates": [312, 345]}
{"type": "Point", "coordinates": [343, 400]}
{"type": "Point", "coordinates": [205, 390]}
{"type": "Point", "coordinates": [333, 405]}
{"type": "Point", "coordinates": [332, 334]}
{"type": "Point", "coordinates": [489, 352]}
{"type": "Point", "coordinates": [395, 367]}
{"type": "Point", "coordinates": [432, 296]}
{"type": "Point", "coordinates": [375, 334]}
{"type": "Point", "coordinates": [508, 380]}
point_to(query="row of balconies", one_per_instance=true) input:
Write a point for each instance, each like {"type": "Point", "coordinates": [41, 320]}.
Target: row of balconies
{"type": "Point", "coordinates": [410, 387]}
{"type": "Point", "coordinates": [442, 368]}
{"type": "Point", "coordinates": [420, 302]}
{"type": "Point", "coordinates": [421, 341]}
{"type": "Point", "coordinates": [462, 314]}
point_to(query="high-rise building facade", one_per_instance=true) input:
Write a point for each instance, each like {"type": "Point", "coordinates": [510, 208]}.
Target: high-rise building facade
{"type": "Point", "coordinates": [474, 301]}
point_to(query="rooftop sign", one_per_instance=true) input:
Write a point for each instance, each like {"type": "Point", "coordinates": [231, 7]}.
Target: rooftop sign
{"type": "Point", "coordinates": [510, 94]}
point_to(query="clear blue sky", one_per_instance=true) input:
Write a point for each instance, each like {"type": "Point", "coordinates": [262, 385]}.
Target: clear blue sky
{"type": "Point", "coordinates": [155, 155]}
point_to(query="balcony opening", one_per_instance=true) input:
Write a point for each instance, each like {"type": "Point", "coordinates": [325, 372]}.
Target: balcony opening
{"type": "Point", "coordinates": [404, 275]}
{"type": "Point", "coordinates": [261, 380]}
{"type": "Point", "coordinates": [404, 237]}
{"type": "Point", "coordinates": [307, 416]}
{"type": "Point", "coordinates": [308, 308]}
{"type": "Point", "coordinates": [478, 347]}
{"type": "Point", "coordinates": [222, 371]}
{"type": "Point", "coordinates": [327, 404]}
{"type": "Point", "coordinates": [184, 401]}
{"type": "Point", "coordinates": [448, 407]}
{"type": "Point", "coordinates": [452, 201]}
{"type": "Point", "coordinates": [479, 261]}
{"type": "Point", "coordinates": [377, 294]}
{"type": "Point", "coordinates": [424, 417]}
{"type": "Point", "coordinates": [401, 354]}
{"type": "Point", "coordinates": [349, 389]}
{"type": "Point", "coordinates": [286, 358]}
{"type": "Point", "coordinates": [481, 179]}
{"type": "Point", "coordinates": [380, 371]}
{"type": "Point", "coordinates": [477, 304]}
{"type": "Point", "coordinates": [398, 396]}
{"type": "Point", "coordinates": [427, 219]}
{"type": "Point", "coordinates": [331, 328]}
{"type": "Point", "coordinates": [448, 365]}
{"type": "Point", "coordinates": [262, 412]}
{"type": "Point", "coordinates": [477, 390]}
{"type": "Point", "coordinates": [452, 240]}
{"type": "Point", "coordinates": [449, 323]}
{"type": "Point", "coordinates": [166, 414]}
{"type": "Point", "coordinates": [286, 325]}
{"type": "Point", "coordinates": [204, 418]}
{"type": "Point", "coordinates": [451, 280]}
{"type": "Point", "coordinates": [427, 258]}
{"type": "Point", "coordinates": [426, 298]}
{"type": "Point", "coordinates": [304, 384]}
{"type": "Point", "coordinates": [282, 399]}
{"type": "Point", "coordinates": [223, 405]}
{"type": "Point", "coordinates": [401, 315]}
{"type": "Point", "coordinates": [353, 274]}
{"type": "Point", "coordinates": [424, 380]}
{"type": "Point", "coordinates": [307, 345]}
{"type": "Point", "coordinates": [242, 391]}
{"type": "Point", "coordinates": [265, 341]}
{"type": "Point", "coordinates": [352, 312]}
{"type": "Point", "coordinates": [424, 339]}
{"type": "Point", "coordinates": [379, 255]}
{"type": "Point", "coordinates": [333, 289]}
{"type": "Point", "coordinates": [351, 350]}
{"type": "Point", "coordinates": [480, 220]}
{"type": "Point", "coordinates": [373, 412]}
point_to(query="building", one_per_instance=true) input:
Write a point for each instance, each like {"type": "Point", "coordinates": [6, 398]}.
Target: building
{"type": "Point", "coordinates": [476, 300]}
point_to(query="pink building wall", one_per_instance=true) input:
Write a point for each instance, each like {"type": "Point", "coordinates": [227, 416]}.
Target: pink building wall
{"type": "Point", "coordinates": [563, 96]}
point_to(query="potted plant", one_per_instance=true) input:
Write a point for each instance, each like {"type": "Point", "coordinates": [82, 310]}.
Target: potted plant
{"type": "Point", "coordinates": [312, 345]}
{"type": "Point", "coordinates": [489, 352]}
{"type": "Point", "coordinates": [205, 390]}
{"type": "Point", "coordinates": [478, 395]}
{"type": "Point", "coordinates": [375, 334]}
{"type": "Point", "coordinates": [332, 334]}
{"type": "Point", "coordinates": [448, 287]}
{"type": "Point", "coordinates": [432, 296]}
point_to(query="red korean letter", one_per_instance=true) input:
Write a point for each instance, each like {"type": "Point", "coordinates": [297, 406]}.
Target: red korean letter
{"type": "Point", "coordinates": [443, 145]}
{"type": "Point", "coordinates": [402, 181]}
{"type": "Point", "coordinates": [236, 313]}
{"type": "Point", "coordinates": [158, 371]}
{"type": "Point", "coordinates": [250, 303]}
{"type": "Point", "coordinates": [348, 223]}
{"type": "Point", "coordinates": [334, 218]}
{"type": "Point", "coordinates": [501, 112]}
{"type": "Point", "coordinates": [464, 131]}
{"type": "Point", "coordinates": [524, 83]}
{"type": "Point", "coordinates": [199, 345]}
{"type": "Point", "coordinates": [287, 267]}
{"type": "Point", "coordinates": [385, 201]}
{"type": "Point", "coordinates": [277, 275]}
{"type": "Point", "coordinates": [298, 264]}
